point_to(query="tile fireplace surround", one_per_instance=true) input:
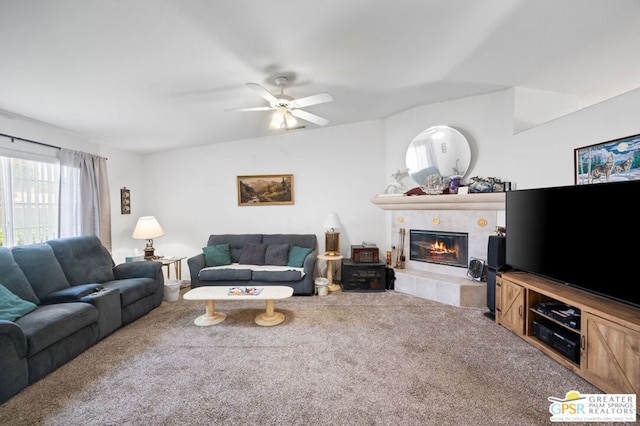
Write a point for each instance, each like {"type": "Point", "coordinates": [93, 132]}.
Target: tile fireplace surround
{"type": "Point", "coordinates": [443, 283]}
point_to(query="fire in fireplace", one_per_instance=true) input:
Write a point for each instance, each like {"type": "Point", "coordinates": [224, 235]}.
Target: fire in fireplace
{"type": "Point", "coordinates": [446, 248]}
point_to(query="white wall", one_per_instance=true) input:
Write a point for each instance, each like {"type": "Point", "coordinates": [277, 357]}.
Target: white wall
{"type": "Point", "coordinates": [538, 157]}
{"type": "Point", "coordinates": [25, 128]}
{"type": "Point", "coordinates": [534, 107]}
{"type": "Point", "coordinates": [544, 155]}
{"type": "Point", "coordinates": [193, 191]}
{"type": "Point", "coordinates": [124, 169]}
{"type": "Point", "coordinates": [486, 122]}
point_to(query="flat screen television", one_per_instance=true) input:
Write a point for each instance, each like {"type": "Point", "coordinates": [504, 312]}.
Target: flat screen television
{"type": "Point", "coordinates": [585, 236]}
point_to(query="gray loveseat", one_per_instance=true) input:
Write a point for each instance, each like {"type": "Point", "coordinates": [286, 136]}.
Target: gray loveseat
{"type": "Point", "coordinates": [70, 294]}
{"type": "Point", "coordinates": [256, 260]}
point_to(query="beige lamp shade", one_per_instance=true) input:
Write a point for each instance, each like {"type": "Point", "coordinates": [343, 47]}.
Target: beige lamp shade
{"type": "Point", "coordinates": [148, 228]}
{"type": "Point", "coordinates": [332, 221]}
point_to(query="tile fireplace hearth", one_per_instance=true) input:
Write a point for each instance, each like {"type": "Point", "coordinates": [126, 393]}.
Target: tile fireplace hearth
{"type": "Point", "coordinates": [439, 281]}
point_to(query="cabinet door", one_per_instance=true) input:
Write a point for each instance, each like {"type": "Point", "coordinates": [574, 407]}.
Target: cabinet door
{"type": "Point", "coordinates": [611, 355]}
{"type": "Point", "coordinates": [510, 306]}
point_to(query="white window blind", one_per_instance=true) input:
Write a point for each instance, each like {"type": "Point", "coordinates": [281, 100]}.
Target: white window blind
{"type": "Point", "coordinates": [28, 201]}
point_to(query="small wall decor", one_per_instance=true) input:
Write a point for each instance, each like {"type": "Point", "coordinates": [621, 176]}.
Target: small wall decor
{"type": "Point", "coordinates": [616, 160]}
{"type": "Point", "coordinates": [262, 190]}
{"type": "Point", "coordinates": [125, 201]}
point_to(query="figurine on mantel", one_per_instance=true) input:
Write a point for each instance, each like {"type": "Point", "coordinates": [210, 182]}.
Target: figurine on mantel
{"type": "Point", "coordinates": [402, 183]}
{"type": "Point", "coordinates": [488, 184]}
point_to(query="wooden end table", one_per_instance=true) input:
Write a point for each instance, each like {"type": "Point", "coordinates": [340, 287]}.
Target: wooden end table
{"type": "Point", "coordinates": [330, 259]}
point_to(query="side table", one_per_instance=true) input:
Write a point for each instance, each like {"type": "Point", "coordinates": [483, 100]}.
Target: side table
{"type": "Point", "coordinates": [330, 259]}
{"type": "Point", "coordinates": [176, 262]}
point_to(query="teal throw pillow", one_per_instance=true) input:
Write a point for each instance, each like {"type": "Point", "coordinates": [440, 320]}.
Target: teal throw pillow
{"type": "Point", "coordinates": [12, 307]}
{"type": "Point", "coordinates": [217, 255]}
{"type": "Point", "coordinates": [297, 255]}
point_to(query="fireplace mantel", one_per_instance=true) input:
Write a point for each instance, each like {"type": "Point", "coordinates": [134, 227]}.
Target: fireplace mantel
{"type": "Point", "coordinates": [475, 201]}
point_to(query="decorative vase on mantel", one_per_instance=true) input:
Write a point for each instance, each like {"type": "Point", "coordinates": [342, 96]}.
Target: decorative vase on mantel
{"type": "Point", "coordinates": [454, 184]}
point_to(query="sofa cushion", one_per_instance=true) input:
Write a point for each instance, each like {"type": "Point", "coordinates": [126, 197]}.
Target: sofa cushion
{"type": "Point", "coordinates": [290, 275]}
{"type": "Point", "coordinates": [221, 273]}
{"type": "Point", "coordinates": [51, 323]}
{"type": "Point", "coordinates": [236, 242]}
{"type": "Point", "coordinates": [217, 255]}
{"type": "Point", "coordinates": [297, 255]}
{"type": "Point", "coordinates": [132, 289]}
{"type": "Point", "coordinates": [83, 259]}
{"type": "Point", "coordinates": [12, 307]}
{"type": "Point", "coordinates": [253, 254]}
{"type": "Point", "coordinates": [276, 254]}
{"type": "Point", "coordinates": [42, 269]}
{"type": "Point", "coordinates": [14, 279]}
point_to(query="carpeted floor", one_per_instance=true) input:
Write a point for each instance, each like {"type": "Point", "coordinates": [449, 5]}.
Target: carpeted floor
{"type": "Point", "coordinates": [342, 359]}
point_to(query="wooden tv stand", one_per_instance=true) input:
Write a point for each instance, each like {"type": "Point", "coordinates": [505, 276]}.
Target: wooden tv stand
{"type": "Point", "coordinates": [608, 332]}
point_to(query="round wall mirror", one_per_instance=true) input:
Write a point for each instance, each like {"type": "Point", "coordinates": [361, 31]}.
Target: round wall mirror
{"type": "Point", "coordinates": [439, 150]}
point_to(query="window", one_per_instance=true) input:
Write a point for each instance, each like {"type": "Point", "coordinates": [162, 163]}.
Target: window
{"type": "Point", "coordinates": [48, 192]}
{"type": "Point", "coordinates": [29, 198]}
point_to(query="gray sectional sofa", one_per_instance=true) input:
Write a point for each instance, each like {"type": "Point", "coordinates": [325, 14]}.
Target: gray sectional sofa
{"type": "Point", "coordinates": [256, 260]}
{"type": "Point", "coordinates": [59, 298]}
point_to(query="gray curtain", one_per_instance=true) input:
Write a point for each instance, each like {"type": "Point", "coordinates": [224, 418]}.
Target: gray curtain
{"type": "Point", "coordinates": [85, 205]}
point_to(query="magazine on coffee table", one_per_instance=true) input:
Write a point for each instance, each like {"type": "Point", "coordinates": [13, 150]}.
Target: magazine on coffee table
{"type": "Point", "coordinates": [244, 291]}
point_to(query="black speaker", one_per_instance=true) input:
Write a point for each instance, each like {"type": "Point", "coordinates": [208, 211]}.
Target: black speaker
{"type": "Point", "coordinates": [496, 252]}
{"type": "Point", "coordinates": [495, 264]}
{"type": "Point", "coordinates": [491, 293]}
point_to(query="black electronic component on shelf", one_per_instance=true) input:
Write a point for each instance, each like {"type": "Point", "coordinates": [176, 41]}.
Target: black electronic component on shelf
{"type": "Point", "coordinates": [561, 312]}
{"type": "Point", "coordinates": [564, 341]}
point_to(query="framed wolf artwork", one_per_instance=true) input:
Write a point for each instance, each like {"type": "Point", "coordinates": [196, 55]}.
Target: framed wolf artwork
{"type": "Point", "coordinates": [612, 161]}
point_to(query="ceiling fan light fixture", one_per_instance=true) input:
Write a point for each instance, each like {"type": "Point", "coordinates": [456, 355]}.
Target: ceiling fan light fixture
{"type": "Point", "coordinates": [277, 121]}
{"type": "Point", "coordinates": [286, 110]}
{"type": "Point", "coordinates": [290, 120]}
{"type": "Point", "coordinates": [282, 119]}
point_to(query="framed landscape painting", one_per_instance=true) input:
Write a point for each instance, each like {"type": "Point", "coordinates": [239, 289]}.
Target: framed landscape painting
{"type": "Point", "coordinates": [612, 161]}
{"type": "Point", "coordinates": [262, 190]}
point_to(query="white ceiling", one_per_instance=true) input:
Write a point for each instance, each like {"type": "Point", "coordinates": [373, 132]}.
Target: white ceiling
{"type": "Point", "coordinates": [151, 75]}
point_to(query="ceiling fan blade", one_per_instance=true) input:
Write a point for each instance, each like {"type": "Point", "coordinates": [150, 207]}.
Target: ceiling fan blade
{"type": "Point", "coordinates": [307, 116]}
{"type": "Point", "coordinates": [265, 108]}
{"type": "Point", "coordinates": [320, 98]}
{"type": "Point", "coordinates": [263, 92]}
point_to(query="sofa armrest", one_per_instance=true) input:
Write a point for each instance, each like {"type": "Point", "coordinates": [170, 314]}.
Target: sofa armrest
{"type": "Point", "coordinates": [142, 269]}
{"type": "Point", "coordinates": [195, 264]}
{"type": "Point", "coordinates": [74, 293]}
{"type": "Point", "coordinates": [309, 263]}
{"type": "Point", "coordinates": [11, 332]}
{"type": "Point", "coordinates": [14, 369]}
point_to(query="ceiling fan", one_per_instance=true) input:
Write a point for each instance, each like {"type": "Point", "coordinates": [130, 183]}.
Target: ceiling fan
{"type": "Point", "coordinates": [286, 108]}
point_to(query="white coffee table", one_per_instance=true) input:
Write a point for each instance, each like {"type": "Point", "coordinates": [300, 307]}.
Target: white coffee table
{"type": "Point", "coordinates": [210, 294]}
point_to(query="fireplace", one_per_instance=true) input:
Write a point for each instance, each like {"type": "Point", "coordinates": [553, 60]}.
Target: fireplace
{"type": "Point", "coordinates": [445, 248]}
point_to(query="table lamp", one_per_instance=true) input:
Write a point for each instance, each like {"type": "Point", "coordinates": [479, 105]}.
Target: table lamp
{"type": "Point", "coordinates": [148, 228]}
{"type": "Point", "coordinates": [332, 238]}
